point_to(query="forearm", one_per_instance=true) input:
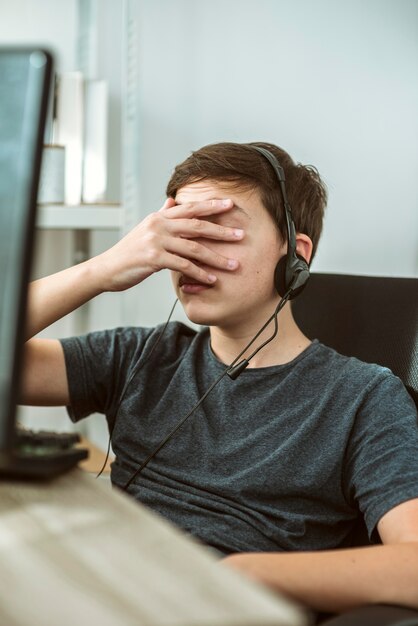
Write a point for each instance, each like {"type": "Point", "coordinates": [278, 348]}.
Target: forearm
{"type": "Point", "coordinates": [53, 297]}
{"type": "Point", "coordinates": [335, 581]}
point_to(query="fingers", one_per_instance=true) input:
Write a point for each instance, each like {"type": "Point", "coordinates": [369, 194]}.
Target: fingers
{"type": "Point", "coordinates": [195, 250]}
{"type": "Point", "coordinates": [195, 228]}
{"type": "Point", "coordinates": [185, 222]}
{"type": "Point", "coordinates": [170, 202]}
{"type": "Point", "coordinates": [174, 234]}
{"type": "Point", "coordinates": [196, 209]}
{"type": "Point", "coordinates": [187, 267]}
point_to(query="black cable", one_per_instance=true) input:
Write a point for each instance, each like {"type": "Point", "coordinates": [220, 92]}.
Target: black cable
{"type": "Point", "coordinates": [128, 382]}
{"type": "Point", "coordinates": [175, 429]}
{"type": "Point", "coordinates": [235, 370]}
{"type": "Point", "coordinates": [227, 370]}
{"type": "Point", "coordinates": [106, 458]}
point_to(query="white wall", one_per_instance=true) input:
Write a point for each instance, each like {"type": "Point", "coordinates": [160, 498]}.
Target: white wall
{"type": "Point", "coordinates": [29, 22]}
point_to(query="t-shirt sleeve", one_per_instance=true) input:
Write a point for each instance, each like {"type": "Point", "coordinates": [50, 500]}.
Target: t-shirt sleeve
{"type": "Point", "coordinates": [98, 365]}
{"type": "Point", "coordinates": [381, 465]}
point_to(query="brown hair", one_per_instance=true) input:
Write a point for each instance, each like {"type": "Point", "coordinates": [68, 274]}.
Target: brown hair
{"type": "Point", "coordinates": [245, 168]}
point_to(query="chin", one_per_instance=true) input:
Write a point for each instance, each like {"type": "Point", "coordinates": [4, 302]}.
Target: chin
{"type": "Point", "coordinates": [202, 318]}
{"type": "Point", "coordinates": [202, 313]}
{"type": "Point", "coordinates": [210, 315]}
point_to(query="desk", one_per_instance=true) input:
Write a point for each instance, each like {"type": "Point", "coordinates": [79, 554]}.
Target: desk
{"type": "Point", "coordinates": [74, 552]}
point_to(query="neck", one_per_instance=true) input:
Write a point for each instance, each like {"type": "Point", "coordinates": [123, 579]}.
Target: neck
{"type": "Point", "coordinates": [289, 342]}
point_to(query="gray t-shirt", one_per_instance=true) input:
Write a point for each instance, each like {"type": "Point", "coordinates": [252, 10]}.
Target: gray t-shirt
{"type": "Point", "coordinates": [283, 458]}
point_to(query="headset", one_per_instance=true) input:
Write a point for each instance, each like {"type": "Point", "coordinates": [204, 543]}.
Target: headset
{"type": "Point", "coordinates": [292, 271]}
{"type": "Point", "coordinates": [290, 277]}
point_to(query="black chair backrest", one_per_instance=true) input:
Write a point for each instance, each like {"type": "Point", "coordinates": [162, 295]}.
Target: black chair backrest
{"type": "Point", "coordinates": [372, 318]}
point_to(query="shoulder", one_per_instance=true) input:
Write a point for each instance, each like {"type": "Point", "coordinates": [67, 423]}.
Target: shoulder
{"type": "Point", "coordinates": [130, 340]}
{"type": "Point", "coordinates": [360, 381]}
{"type": "Point", "coordinates": [341, 365]}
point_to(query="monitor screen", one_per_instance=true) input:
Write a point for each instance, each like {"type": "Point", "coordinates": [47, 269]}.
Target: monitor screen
{"type": "Point", "coordinates": [24, 85]}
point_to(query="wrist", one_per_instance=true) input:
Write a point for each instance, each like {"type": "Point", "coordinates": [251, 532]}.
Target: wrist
{"type": "Point", "coordinates": [94, 277]}
{"type": "Point", "coordinates": [79, 284]}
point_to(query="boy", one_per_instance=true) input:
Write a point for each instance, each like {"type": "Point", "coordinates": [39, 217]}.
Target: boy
{"type": "Point", "coordinates": [271, 469]}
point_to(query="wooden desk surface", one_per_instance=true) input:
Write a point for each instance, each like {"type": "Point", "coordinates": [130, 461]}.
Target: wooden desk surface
{"type": "Point", "coordinates": [74, 552]}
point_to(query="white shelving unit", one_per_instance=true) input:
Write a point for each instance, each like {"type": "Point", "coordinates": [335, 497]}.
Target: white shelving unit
{"type": "Point", "coordinates": [82, 217]}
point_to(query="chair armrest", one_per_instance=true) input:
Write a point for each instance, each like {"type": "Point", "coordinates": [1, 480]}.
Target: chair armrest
{"type": "Point", "coordinates": [375, 615]}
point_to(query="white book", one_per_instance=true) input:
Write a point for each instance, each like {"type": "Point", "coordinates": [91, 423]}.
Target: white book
{"type": "Point", "coordinates": [68, 131]}
{"type": "Point", "coordinates": [95, 140]}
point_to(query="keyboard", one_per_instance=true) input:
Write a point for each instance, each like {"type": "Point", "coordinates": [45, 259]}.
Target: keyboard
{"type": "Point", "coordinates": [40, 441]}
{"type": "Point", "coordinates": [43, 454]}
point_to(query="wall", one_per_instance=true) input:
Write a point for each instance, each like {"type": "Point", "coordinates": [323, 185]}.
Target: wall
{"type": "Point", "coordinates": [333, 83]}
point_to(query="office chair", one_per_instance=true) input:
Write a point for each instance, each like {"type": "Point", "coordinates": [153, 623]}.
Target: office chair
{"type": "Point", "coordinates": [376, 320]}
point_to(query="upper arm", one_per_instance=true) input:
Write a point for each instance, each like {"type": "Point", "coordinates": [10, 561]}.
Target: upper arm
{"type": "Point", "coordinates": [400, 524]}
{"type": "Point", "coordinates": [44, 380]}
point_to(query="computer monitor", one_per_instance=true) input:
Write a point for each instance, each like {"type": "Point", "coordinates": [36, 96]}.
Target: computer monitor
{"type": "Point", "coordinates": [25, 78]}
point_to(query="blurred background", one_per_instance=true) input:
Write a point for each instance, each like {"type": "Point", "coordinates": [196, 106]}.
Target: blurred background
{"type": "Point", "coordinates": [333, 83]}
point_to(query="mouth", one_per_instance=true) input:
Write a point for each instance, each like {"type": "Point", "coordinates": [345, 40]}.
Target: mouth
{"type": "Point", "coordinates": [190, 285]}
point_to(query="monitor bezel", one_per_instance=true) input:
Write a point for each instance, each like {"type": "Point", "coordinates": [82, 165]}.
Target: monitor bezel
{"type": "Point", "coordinates": [40, 69]}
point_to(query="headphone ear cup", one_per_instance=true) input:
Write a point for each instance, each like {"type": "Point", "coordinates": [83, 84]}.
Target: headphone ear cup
{"type": "Point", "coordinates": [280, 276]}
{"type": "Point", "coordinates": [293, 273]}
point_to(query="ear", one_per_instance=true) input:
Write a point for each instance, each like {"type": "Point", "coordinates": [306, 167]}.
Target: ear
{"type": "Point", "coordinates": [304, 246]}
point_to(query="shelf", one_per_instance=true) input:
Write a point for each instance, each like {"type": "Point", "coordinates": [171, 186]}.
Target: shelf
{"type": "Point", "coordinates": [81, 217]}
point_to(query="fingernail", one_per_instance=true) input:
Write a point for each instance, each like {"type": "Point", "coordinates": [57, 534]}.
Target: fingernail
{"type": "Point", "coordinates": [226, 202]}
{"type": "Point", "coordinates": [232, 264]}
{"type": "Point", "coordinates": [211, 278]}
{"type": "Point", "coordinates": [238, 232]}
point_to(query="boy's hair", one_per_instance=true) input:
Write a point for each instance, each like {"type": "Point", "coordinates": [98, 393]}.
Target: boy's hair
{"type": "Point", "coordinates": [245, 168]}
